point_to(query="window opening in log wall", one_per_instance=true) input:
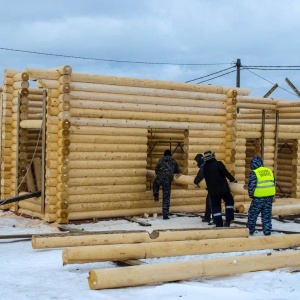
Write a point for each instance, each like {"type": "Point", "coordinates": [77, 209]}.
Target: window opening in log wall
{"type": "Point", "coordinates": [285, 170]}
{"type": "Point", "coordinates": [252, 149]}
{"type": "Point", "coordinates": [160, 140]}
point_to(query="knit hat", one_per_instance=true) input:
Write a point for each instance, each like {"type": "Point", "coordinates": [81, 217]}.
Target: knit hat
{"type": "Point", "coordinates": [167, 153]}
{"type": "Point", "coordinates": [199, 158]}
{"type": "Point", "coordinates": [256, 162]}
{"type": "Point", "coordinates": [208, 155]}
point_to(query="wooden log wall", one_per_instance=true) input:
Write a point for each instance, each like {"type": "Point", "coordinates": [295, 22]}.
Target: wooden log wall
{"type": "Point", "coordinates": [165, 111]}
{"type": "Point", "coordinates": [100, 136]}
{"type": "Point", "coordinates": [15, 85]}
{"type": "Point", "coordinates": [252, 128]}
{"type": "Point", "coordinates": [56, 81]}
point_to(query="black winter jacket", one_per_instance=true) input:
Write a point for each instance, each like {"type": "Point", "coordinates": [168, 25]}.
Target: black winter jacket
{"type": "Point", "coordinates": [215, 174]}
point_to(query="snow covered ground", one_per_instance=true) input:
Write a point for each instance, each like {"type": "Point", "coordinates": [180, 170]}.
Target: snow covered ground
{"type": "Point", "coordinates": [27, 273]}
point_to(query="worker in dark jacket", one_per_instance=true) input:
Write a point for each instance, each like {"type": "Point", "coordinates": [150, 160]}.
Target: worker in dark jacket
{"type": "Point", "coordinates": [165, 169]}
{"type": "Point", "coordinates": [261, 189]}
{"type": "Point", "coordinates": [200, 163]}
{"type": "Point", "coordinates": [216, 175]}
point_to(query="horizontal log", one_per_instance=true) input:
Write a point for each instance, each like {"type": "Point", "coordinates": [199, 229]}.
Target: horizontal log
{"type": "Point", "coordinates": [28, 124]}
{"type": "Point", "coordinates": [101, 139]}
{"type": "Point", "coordinates": [130, 212]}
{"type": "Point", "coordinates": [99, 253]}
{"type": "Point", "coordinates": [115, 131]}
{"type": "Point", "coordinates": [81, 147]}
{"type": "Point", "coordinates": [140, 107]}
{"type": "Point", "coordinates": [106, 181]}
{"type": "Point", "coordinates": [108, 237]}
{"type": "Point", "coordinates": [107, 156]}
{"type": "Point", "coordinates": [143, 124]}
{"type": "Point", "coordinates": [139, 204]}
{"type": "Point", "coordinates": [106, 189]}
{"type": "Point", "coordinates": [107, 164]}
{"type": "Point", "coordinates": [132, 115]}
{"type": "Point", "coordinates": [79, 83]}
{"type": "Point", "coordinates": [79, 173]}
{"type": "Point", "coordinates": [186, 270]}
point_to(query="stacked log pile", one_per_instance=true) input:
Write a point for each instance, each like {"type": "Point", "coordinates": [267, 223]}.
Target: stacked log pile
{"type": "Point", "coordinates": [122, 246]}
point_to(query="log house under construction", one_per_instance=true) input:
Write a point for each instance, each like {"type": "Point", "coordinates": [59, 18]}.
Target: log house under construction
{"type": "Point", "coordinates": [86, 141]}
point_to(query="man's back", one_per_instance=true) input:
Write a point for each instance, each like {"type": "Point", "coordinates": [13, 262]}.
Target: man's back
{"type": "Point", "coordinates": [215, 174]}
{"type": "Point", "coordinates": [166, 167]}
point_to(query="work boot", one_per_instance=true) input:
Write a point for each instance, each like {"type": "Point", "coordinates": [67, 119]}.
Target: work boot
{"type": "Point", "coordinates": [205, 220]}
{"type": "Point", "coordinates": [166, 218]}
{"type": "Point", "coordinates": [226, 224]}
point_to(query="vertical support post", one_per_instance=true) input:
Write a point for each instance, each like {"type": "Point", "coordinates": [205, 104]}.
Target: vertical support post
{"type": "Point", "coordinates": [276, 144]}
{"type": "Point", "coordinates": [262, 140]}
{"type": "Point", "coordinates": [17, 152]}
{"type": "Point", "coordinates": [43, 152]}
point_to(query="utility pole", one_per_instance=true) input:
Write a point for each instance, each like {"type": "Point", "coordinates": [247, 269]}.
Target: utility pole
{"type": "Point", "coordinates": [238, 73]}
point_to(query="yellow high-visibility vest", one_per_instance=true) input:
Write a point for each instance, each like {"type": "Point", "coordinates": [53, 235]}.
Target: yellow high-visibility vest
{"type": "Point", "coordinates": [265, 186]}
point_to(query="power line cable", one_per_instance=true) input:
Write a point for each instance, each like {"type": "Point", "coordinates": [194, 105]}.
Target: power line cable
{"type": "Point", "coordinates": [271, 66]}
{"type": "Point", "coordinates": [270, 81]}
{"type": "Point", "coordinates": [273, 69]}
{"type": "Point", "coordinates": [113, 60]}
{"type": "Point", "coordinates": [217, 76]}
{"type": "Point", "coordinates": [209, 74]}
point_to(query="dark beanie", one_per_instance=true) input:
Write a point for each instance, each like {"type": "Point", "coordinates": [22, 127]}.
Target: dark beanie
{"type": "Point", "coordinates": [167, 153]}
{"type": "Point", "coordinates": [208, 155]}
{"type": "Point", "coordinates": [199, 158]}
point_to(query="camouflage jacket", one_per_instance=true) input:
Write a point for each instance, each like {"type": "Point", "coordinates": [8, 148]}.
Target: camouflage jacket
{"type": "Point", "coordinates": [166, 167]}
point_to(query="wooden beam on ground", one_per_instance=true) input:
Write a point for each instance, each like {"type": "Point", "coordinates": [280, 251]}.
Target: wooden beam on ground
{"type": "Point", "coordinates": [73, 255]}
{"type": "Point", "coordinates": [129, 237]}
{"type": "Point", "coordinates": [185, 270]}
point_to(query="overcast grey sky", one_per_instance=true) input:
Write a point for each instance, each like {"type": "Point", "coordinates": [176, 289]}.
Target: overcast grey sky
{"type": "Point", "coordinates": [212, 34]}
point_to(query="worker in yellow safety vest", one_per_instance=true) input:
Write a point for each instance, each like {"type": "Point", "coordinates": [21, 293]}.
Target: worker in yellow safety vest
{"type": "Point", "coordinates": [261, 189]}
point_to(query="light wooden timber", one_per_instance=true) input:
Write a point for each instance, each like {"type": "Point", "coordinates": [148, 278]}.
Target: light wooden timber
{"type": "Point", "coordinates": [149, 97]}
{"type": "Point", "coordinates": [80, 147]}
{"type": "Point", "coordinates": [130, 212]}
{"type": "Point", "coordinates": [151, 116]}
{"type": "Point", "coordinates": [71, 255]}
{"type": "Point", "coordinates": [147, 195]}
{"type": "Point", "coordinates": [107, 164]}
{"type": "Point", "coordinates": [185, 270]}
{"type": "Point", "coordinates": [79, 173]}
{"type": "Point", "coordinates": [286, 209]}
{"type": "Point", "coordinates": [139, 204]}
{"type": "Point", "coordinates": [106, 189]}
{"type": "Point", "coordinates": [105, 139]}
{"type": "Point", "coordinates": [114, 131]}
{"type": "Point", "coordinates": [31, 213]}
{"type": "Point", "coordinates": [106, 181]}
{"type": "Point", "coordinates": [35, 74]}
{"type": "Point", "coordinates": [108, 238]}
{"type": "Point", "coordinates": [31, 124]}
{"type": "Point", "coordinates": [157, 84]}
{"type": "Point", "coordinates": [143, 124]}
{"type": "Point", "coordinates": [154, 108]}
